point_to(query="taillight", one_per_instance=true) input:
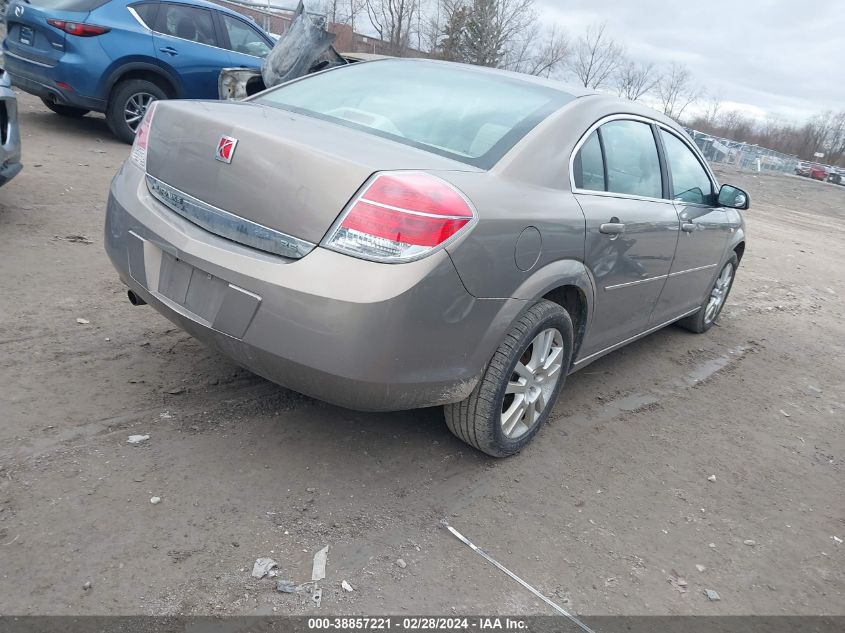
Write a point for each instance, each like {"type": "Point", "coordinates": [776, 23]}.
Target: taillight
{"type": "Point", "coordinates": [401, 216]}
{"type": "Point", "coordinates": [77, 28]}
{"type": "Point", "coordinates": [142, 138]}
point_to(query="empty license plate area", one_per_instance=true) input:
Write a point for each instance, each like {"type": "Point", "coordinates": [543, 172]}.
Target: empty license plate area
{"type": "Point", "coordinates": [217, 303]}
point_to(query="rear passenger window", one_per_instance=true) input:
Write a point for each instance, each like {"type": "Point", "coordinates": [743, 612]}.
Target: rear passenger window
{"type": "Point", "coordinates": [631, 155]}
{"type": "Point", "coordinates": [147, 13]}
{"type": "Point", "coordinates": [588, 168]}
{"type": "Point", "coordinates": [690, 182]}
{"type": "Point", "coordinates": [187, 23]}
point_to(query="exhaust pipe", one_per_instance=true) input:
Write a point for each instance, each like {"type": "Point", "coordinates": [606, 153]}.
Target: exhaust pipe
{"type": "Point", "coordinates": [134, 299]}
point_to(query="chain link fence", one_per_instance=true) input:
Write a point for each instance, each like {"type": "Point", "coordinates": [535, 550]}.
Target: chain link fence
{"type": "Point", "coordinates": [742, 155]}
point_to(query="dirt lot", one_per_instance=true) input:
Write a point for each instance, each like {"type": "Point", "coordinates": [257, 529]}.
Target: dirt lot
{"type": "Point", "coordinates": [610, 499]}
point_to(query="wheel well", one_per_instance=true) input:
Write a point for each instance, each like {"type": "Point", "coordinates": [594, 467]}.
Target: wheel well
{"type": "Point", "coordinates": [148, 75]}
{"type": "Point", "coordinates": [739, 249]}
{"type": "Point", "coordinates": [572, 299]}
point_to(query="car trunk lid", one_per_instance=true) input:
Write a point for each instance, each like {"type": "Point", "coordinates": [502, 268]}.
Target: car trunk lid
{"type": "Point", "coordinates": [30, 36]}
{"type": "Point", "coordinates": [288, 172]}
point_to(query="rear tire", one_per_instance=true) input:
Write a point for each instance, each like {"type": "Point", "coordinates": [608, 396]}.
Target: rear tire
{"type": "Point", "coordinates": [128, 103]}
{"type": "Point", "coordinates": [65, 110]}
{"type": "Point", "coordinates": [541, 337]}
{"type": "Point", "coordinates": [706, 316]}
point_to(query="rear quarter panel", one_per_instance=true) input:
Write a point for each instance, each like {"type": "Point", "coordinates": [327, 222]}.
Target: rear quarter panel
{"type": "Point", "coordinates": [486, 258]}
{"type": "Point", "coordinates": [128, 46]}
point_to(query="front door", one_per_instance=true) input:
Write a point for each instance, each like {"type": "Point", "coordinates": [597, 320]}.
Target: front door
{"type": "Point", "coordinates": [631, 231]}
{"type": "Point", "coordinates": [185, 39]}
{"type": "Point", "coordinates": [705, 231]}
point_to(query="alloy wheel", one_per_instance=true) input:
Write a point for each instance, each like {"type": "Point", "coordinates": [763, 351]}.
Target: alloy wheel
{"type": "Point", "coordinates": [719, 293]}
{"type": "Point", "coordinates": [136, 107]}
{"type": "Point", "coordinates": [532, 383]}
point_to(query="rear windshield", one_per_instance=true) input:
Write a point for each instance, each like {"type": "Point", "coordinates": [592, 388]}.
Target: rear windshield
{"type": "Point", "coordinates": [471, 116]}
{"type": "Point", "coordinates": [69, 5]}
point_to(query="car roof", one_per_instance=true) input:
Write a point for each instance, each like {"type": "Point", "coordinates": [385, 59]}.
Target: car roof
{"type": "Point", "coordinates": [575, 91]}
{"type": "Point", "coordinates": [205, 4]}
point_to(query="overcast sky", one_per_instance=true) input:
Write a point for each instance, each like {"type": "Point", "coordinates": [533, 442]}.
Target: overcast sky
{"type": "Point", "coordinates": [785, 57]}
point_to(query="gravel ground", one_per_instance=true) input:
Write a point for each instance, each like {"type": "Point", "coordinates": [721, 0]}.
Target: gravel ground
{"type": "Point", "coordinates": [603, 512]}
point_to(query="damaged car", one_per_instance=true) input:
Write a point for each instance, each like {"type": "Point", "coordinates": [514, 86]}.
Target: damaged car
{"type": "Point", "coordinates": [398, 234]}
{"type": "Point", "coordinates": [118, 56]}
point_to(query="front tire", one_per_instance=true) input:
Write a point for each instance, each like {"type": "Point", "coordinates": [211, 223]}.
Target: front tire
{"type": "Point", "coordinates": [65, 110]}
{"type": "Point", "coordinates": [128, 104]}
{"type": "Point", "coordinates": [715, 300]}
{"type": "Point", "coordinates": [520, 385]}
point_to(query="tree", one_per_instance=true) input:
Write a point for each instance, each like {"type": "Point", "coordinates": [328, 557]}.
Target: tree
{"type": "Point", "coordinates": [711, 112]}
{"type": "Point", "coordinates": [496, 33]}
{"type": "Point", "coordinates": [636, 79]}
{"type": "Point", "coordinates": [394, 22]}
{"type": "Point", "coordinates": [539, 54]}
{"type": "Point", "coordinates": [677, 90]}
{"type": "Point", "coordinates": [343, 11]}
{"type": "Point", "coordinates": [596, 57]}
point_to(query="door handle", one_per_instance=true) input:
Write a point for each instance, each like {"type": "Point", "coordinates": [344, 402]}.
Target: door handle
{"type": "Point", "coordinates": [612, 228]}
{"type": "Point", "coordinates": [169, 50]}
{"type": "Point", "coordinates": [687, 227]}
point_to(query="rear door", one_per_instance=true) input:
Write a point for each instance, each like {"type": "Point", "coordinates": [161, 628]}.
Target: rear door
{"type": "Point", "coordinates": [247, 45]}
{"type": "Point", "coordinates": [632, 230]}
{"type": "Point", "coordinates": [705, 229]}
{"type": "Point", "coordinates": [186, 39]}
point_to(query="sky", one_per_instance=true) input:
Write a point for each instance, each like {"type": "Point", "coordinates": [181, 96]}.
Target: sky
{"type": "Point", "coordinates": [779, 58]}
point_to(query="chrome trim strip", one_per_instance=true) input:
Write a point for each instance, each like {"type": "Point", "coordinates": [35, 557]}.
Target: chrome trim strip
{"type": "Point", "coordinates": [635, 117]}
{"type": "Point", "coordinates": [635, 337]}
{"type": "Point", "coordinates": [624, 196]}
{"type": "Point", "coordinates": [26, 59]}
{"type": "Point", "coordinates": [634, 283]}
{"type": "Point", "coordinates": [138, 18]}
{"type": "Point", "coordinates": [226, 224]}
{"type": "Point", "coordinates": [411, 211]}
{"type": "Point", "coordinates": [692, 270]}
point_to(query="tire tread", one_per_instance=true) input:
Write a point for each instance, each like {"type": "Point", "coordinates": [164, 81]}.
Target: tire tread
{"type": "Point", "coordinates": [471, 419]}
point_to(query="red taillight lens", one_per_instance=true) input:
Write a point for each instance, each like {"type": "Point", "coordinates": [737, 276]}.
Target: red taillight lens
{"type": "Point", "coordinates": [142, 138]}
{"type": "Point", "coordinates": [401, 216]}
{"type": "Point", "coordinates": [77, 28]}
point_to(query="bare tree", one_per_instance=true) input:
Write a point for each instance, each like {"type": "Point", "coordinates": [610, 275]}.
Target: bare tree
{"type": "Point", "coordinates": [394, 21]}
{"type": "Point", "coordinates": [677, 90]}
{"type": "Point", "coordinates": [538, 52]}
{"type": "Point", "coordinates": [836, 138]}
{"type": "Point", "coordinates": [634, 80]}
{"type": "Point", "coordinates": [486, 32]}
{"type": "Point", "coordinates": [343, 11]}
{"type": "Point", "coordinates": [712, 109]}
{"type": "Point", "coordinates": [596, 57]}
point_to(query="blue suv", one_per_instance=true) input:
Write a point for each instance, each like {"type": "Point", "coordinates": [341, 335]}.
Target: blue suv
{"type": "Point", "coordinates": [117, 56]}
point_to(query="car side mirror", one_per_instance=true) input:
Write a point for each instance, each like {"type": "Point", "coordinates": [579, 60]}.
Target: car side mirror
{"type": "Point", "coordinates": [733, 197]}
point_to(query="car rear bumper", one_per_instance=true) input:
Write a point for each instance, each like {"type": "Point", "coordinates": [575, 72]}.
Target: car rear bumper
{"type": "Point", "coordinates": [358, 334]}
{"type": "Point", "coordinates": [40, 80]}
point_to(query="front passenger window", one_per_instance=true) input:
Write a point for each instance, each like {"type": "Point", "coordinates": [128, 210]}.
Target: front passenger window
{"type": "Point", "coordinates": [690, 182]}
{"type": "Point", "coordinates": [630, 153]}
{"type": "Point", "coordinates": [187, 23]}
{"type": "Point", "coordinates": [244, 39]}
